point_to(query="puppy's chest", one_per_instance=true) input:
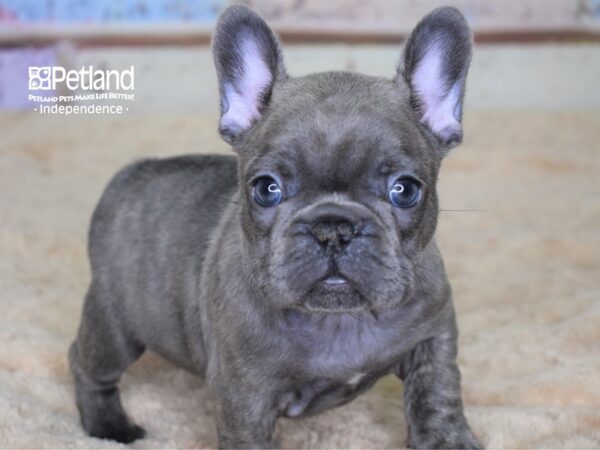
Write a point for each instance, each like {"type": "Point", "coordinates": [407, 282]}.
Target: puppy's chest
{"type": "Point", "coordinates": [341, 346]}
{"type": "Point", "coordinates": [335, 357]}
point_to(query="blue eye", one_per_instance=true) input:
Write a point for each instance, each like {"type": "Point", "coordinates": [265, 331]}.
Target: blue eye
{"type": "Point", "coordinates": [267, 192]}
{"type": "Point", "coordinates": [405, 193]}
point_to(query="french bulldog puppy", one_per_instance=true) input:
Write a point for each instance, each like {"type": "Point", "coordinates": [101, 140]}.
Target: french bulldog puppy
{"type": "Point", "coordinates": [296, 274]}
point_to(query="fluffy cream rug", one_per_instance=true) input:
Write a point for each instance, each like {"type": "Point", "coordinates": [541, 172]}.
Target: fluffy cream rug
{"type": "Point", "coordinates": [524, 260]}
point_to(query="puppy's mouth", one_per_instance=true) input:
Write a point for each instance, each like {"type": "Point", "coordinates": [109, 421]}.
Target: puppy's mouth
{"type": "Point", "coordinates": [335, 281]}
{"type": "Point", "coordinates": [335, 293]}
{"type": "Point", "coordinates": [334, 278]}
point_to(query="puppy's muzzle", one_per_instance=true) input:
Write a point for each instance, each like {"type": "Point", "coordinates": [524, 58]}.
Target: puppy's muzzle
{"type": "Point", "coordinates": [333, 226]}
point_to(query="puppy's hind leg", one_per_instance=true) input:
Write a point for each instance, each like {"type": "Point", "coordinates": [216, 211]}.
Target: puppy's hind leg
{"type": "Point", "coordinates": [101, 353]}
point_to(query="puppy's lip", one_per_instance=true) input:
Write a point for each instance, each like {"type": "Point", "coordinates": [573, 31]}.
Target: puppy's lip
{"type": "Point", "coordinates": [335, 280]}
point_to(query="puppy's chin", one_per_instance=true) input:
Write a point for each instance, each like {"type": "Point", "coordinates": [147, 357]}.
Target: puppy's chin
{"type": "Point", "coordinates": [334, 296]}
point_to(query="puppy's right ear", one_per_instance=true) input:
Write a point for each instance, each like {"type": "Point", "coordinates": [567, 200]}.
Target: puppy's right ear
{"type": "Point", "coordinates": [249, 62]}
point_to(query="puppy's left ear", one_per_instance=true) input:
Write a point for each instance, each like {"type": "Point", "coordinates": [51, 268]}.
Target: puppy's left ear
{"type": "Point", "coordinates": [249, 62]}
{"type": "Point", "coordinates": [435, 62]}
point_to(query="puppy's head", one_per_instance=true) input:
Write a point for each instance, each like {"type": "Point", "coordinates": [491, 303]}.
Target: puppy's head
{"type": "Point", "coordinates": [338, 170]}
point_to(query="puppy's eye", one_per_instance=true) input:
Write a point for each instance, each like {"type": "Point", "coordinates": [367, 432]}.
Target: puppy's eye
{"type": "Point", "coordinates": [405, 193]}
{"type": "Point", "coordinates": [267, 192]}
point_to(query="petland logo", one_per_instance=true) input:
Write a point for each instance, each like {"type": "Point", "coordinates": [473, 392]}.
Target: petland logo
{"type": "Point", "coordinates": [86, 79]}
{"type": "Point", "coordinates": [83, 91]}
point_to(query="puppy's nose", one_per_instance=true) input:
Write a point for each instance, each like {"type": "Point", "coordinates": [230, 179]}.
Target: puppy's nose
{"type": "Point", "coordinates": [334, 227]}
{"type": "Point", "coordinates": [333, 232]}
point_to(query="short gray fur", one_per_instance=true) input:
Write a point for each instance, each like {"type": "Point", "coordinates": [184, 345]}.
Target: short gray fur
{"type": "Point", "coordinates": [186, 264]}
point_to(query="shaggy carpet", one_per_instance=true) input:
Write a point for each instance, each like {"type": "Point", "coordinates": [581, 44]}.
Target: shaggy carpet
{"type": "Point", "coordinates": [520, 235]}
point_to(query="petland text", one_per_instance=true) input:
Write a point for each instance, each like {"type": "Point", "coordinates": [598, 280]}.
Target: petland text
{"type": "Point", "coordinates": [85, 79]}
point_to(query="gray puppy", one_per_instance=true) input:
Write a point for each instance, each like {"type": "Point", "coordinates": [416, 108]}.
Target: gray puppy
{"type": "Point", "coordinates": [295, 275]}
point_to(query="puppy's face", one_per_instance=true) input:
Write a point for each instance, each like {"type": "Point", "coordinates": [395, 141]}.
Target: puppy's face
{"type": "Point", "coordinates": [338, 170]}
{"type": "Point", "coordinates": [338, 194]}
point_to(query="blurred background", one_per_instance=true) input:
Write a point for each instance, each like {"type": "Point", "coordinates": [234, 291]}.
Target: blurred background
{"type": "Point", "coordinates": [532, 54]}
{"type": "Point", "coordinates": [518, 226]}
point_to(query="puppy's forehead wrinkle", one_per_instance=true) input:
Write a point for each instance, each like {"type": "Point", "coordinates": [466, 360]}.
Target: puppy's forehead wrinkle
{"type": "Point", "coordinates": [336, 161]}
{"type": "Point", "coordinates": [338, 198]}
{"type": "Point", "coordinates": [325, 118]}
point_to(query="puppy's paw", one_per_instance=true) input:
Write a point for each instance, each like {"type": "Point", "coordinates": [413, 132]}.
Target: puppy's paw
{"type": "Point", "coordinates": [233, 443]}
{"type": "Point", "coordinates": [123, 432]}
{"type": "Point", "coordinates": [447, 439]}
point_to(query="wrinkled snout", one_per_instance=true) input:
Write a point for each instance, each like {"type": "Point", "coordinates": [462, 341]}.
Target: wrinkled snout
{"type": "Point", "coordinates": [332, 225]}
{"type": "Point", "coordinates": [340, 256]}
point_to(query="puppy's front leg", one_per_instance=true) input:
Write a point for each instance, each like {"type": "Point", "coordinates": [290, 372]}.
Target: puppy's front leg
{"type": "Point", "coordinates": [432, 397]}
{"type": "Point", "coordinates": [246, 415]}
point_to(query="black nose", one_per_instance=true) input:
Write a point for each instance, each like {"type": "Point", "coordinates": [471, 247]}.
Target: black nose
{"type": "Point", "coordinates": [333, 232]}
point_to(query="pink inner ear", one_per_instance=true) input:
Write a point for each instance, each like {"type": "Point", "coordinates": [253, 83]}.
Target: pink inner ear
{"type": "Point", "coordinates": [437, 101]}
{"type": "Point", "coordinates": [244, 98]}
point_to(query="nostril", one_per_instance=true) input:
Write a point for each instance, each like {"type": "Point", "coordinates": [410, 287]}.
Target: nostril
{"type": "Point", "coordinates": [333, 233]}
{"type": "Point", "coordinates": [345, 231]}
{"type": "Point", "coordinates": [323, 232]}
